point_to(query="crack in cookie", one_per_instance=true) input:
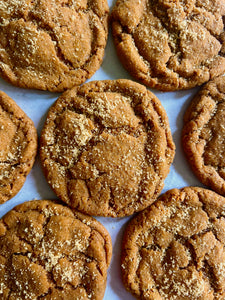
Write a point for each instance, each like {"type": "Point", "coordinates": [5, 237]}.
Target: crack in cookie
{"type": "Point", "coordinates": [174, 249]}
{"type": "Point", "coordinates": [170, 45]}
{"type": "Point", "coordinates": [106, 147]}
{"type": "Point", "coordinates": [203, 134]}
{"type": "Point", "coordinates": [49, 251]}
{"type": "Point", "coordinates": [51, 45]}
{"type": "Point", "coordinates": [18, 147]}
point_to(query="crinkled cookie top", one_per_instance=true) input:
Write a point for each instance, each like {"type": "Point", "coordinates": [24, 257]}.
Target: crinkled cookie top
{"type": "Point", "coordinates": [52, 44]}
{"type": "Point", "coordinates": [170, 45]}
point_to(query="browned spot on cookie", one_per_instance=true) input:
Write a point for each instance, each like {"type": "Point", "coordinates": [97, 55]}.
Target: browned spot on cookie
{"type": "Point", "coordinates": [175, 248]}
{"type": "Point", "coordinates": [18, 147]}
{"type": "Point", "coordinates": [106, 147]}
{"type": "Point", "coordinates": [170, 45]}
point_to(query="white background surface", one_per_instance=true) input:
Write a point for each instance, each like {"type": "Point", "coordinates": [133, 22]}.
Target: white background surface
{"type": "Point", "coordinates": [36, 105]}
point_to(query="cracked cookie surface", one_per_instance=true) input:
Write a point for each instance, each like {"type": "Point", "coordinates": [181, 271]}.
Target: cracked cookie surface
{"type": "Point", "coordinates": [49, 252]}
{"type": "Point", "coordinates": [106, 147]}
{"type": "Point", "coordinates": [18, 147]}
{"type": "Point", "coordinates": [170, 45]}
{"type": "Point", "coordinates": [175, 249]}
{"type": "Point", "coordinates": [203, 135]}
{"type": "Point", "coordinates": [51, 45]}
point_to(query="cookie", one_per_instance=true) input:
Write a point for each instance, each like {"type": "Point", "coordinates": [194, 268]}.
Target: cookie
{"type": "Point", "coordinates": [49, 251]}
{"type": "Point", "coordinates": [18, 147]}
{"type": "Point", "coordinates": [106, 147]}
{"type": "Point", "coordinates": [175, 249]}
{"type": "Point", "coordinates": [51, 45]}
{"type": "Point", "coordinates": [204, 133]}
{"type": "Point", "coordinates": [170, 45]}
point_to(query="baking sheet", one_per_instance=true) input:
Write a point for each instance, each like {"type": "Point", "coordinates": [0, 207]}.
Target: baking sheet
{"type": "Point", "coordinates": [36, 104]}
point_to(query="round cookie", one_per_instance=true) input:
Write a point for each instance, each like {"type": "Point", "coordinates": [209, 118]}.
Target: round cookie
{"type": "Point", "coordinates": [203, 134]}
{"type": "Point", "coordinates": [170, 45]}
{"type": "Point", "coordinates": [51, 45]}
{"type": "Point", "coordinates": [49, 251]}
{"type": "Point", "coordinates": [106, 147]}
{"type": "Point", "coordinates": [175, 249]}
{"type": "Point", "coordinates": [18, 147]}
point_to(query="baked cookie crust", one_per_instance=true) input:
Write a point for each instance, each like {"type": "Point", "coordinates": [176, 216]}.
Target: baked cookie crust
{"type": "Point", "coordinates": [175, 249]}
{"type": "Point", "coordinates": [48, 251]}
{"type": "Point", "coordinates": [51, 45]}
{"type": "Point", "coordinates": [18, 147]}
{"type": "Point", "coordinates": [170, 45]}
{"type": "Point", "coordinates": [203, 135]}
{"type": "Point", "coordinates": [106, 147]}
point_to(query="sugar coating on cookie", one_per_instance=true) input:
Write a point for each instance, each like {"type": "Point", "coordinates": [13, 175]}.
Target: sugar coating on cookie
{"type": "Point", "coordinates": [106, 147]}
{"type": "Point", "coordinates": [18, 147]}
{"type": "Point", "coordinates": [203, 135]}
{"type": "Point", "coordinates": [49, 251]}
{"type": "Point", "coordinates": [170, 45]}
{"type": "Point", "coordinates": [51, 45]}
{"type": "Point", "coordinates": [175, 249]}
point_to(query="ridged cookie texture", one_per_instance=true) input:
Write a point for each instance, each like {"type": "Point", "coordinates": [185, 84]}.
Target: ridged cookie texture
{"type": "Point", "coordinates": [175, 249]}
{"type": "Point", "coordinates": [203, 135]}
{"type": "Point", "coordinates": [170, 45]}
{"type": "Point", "coordinates": [48, 251]}
{"type": "Point", "coordinates": [18, 147]}
{"type": "Point", "coordinates": [106, 147]}
{"type": "Point", "coordinates": [51, 45]}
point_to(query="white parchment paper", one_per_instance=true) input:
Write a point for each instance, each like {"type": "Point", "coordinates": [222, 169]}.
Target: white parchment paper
{"type": "Point", "coordinates": [36, 104]}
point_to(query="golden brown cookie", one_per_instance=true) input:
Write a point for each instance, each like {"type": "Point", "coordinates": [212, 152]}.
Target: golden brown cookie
{"type": "Point", "coordinates": [51, 45]}
{"type": "Point", "coordinates": [204, 134]}
{"type": "Point", "coordinates": [106, 147]}
{"type": "Point", "coordinates": [170, 45]}
{"type": "Point", "coordinates": [175, 249]}
{"type": "Point", "coordinates": [18, 147]}
{"type": "Point", "coordinates": [48, 251]}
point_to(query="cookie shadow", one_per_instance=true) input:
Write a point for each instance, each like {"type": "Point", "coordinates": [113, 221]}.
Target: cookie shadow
{"type": "Point", "coordinates": [111, 64]}
{"type": "Point", "coordinates": [112, 5]}
{"type": "Point", "coordinates": [180, 162]}
{"type": "Point", "coordinates": [43, 188]}
{"type": "Point", "coordinates": [115, 279]}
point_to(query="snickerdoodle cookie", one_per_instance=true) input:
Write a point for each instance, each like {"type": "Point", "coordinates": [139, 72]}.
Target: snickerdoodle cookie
{"type": "Point", "coordinates": [48, 251]}
{"type": "Point", "coordinates": [106, 147]}
{"type": "Point", "coordinates": [170, 45]}
{"type": "Point", "coordinates": [175, 249]}
{"type": "Point", "coordinates": [51, 45]}
{"type": "Point", "coordinates": [18, 147]}
{"type": "Point", "coordinates": [204, 134]}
